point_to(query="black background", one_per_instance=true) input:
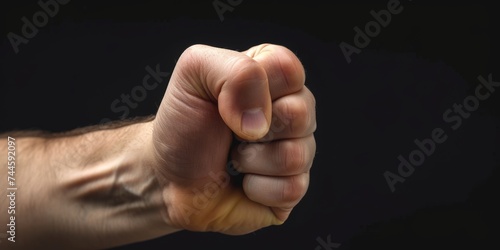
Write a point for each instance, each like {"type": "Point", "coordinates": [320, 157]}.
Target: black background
{"type": "Point", "coordinates": [369, 111]}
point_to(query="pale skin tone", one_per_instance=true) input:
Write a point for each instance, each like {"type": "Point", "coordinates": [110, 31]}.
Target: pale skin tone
{"type": "Point", "coordinates": [102, 187]}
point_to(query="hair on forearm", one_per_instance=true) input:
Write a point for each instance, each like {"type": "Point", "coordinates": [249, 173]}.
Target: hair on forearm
{"type": "Point", "coordinates": [77, 131]}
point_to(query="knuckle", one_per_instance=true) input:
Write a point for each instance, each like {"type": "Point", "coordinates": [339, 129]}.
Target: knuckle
{"type": "Point", "coordinates": [293, 190]}
{"type": "Point", "coordinates": [287, 64]}
{"type": "Point", "coordinates": [294, 113]}
{"type": "Point", "coordinates": [292, 157]}
{"type": "Point", "coordinates": [193, 51]}
{"type": "Point", "coordinates": [300, 116]}
{"type": "Point", "coordinates": [284, 67]}
{"type": "Point", "coordinates": [190, 62]}
{"type": "Point", "coordinates": [245, 68]}
{"type": "Point", "coordinates": [292, 71]}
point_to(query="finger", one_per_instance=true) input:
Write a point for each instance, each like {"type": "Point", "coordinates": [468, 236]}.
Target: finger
{"type": "Point", "coordinates": [278, 158]}
{"type": "Point", "coordinates": [281, 192]}
{"type": "Point", "coordinates": [237, 83]}
{"type": "Point", "coordinates": [294, 116]}
{"type": "Point", "coordinates": [284, 70]}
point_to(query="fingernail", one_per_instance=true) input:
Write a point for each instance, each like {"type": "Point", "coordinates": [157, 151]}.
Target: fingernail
{"type": "Point", "coordinates": [253, 123]}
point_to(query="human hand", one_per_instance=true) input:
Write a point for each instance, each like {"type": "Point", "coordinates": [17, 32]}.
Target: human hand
{"type": "Point", "coordinates": [257, 95]}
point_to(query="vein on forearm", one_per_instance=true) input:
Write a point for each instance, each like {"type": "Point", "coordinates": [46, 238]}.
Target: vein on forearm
{"type": "Point", "coordinates": [91, 181]}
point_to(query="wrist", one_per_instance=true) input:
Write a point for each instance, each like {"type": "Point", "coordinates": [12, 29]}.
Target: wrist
{"type": "Point", "coordinates": [119, 185]}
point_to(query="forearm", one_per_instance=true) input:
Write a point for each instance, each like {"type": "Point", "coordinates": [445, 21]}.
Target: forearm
{"type": "Point", "coordinates": [93, 190]}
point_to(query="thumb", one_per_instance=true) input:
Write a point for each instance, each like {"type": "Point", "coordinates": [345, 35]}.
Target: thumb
{"type": "Point", "coordinates": [235, 82]}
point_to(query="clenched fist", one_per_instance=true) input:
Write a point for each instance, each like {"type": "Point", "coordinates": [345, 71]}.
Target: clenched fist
{"type": "Point", "coordinates": [259, 97]}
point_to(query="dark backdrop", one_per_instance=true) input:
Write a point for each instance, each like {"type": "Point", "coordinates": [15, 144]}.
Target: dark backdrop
{"type": "Point", "coordinates": [370, 111]}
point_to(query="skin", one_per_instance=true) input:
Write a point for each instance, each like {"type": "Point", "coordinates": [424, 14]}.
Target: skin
{"type": "Point", "coordinates": [106, 186]}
